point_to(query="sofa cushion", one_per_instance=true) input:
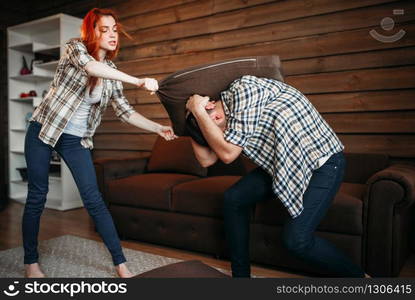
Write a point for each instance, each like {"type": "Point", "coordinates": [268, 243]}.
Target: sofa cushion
{"type": "Point", "coordinates": [175, 156]}
{"type": "Point", "coordinates": [209, 80]}
{"type": "Point", "coordinates": [145, 190]}
{"type": "Point", "coordinates": [343, 216]}
{"type": "Point", "coordinates": [203, 196]}
{"type": "Point", "coordinates": [354, 189]}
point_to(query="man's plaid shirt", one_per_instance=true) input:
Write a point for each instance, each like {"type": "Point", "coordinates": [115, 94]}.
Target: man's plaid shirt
{"type": "Point", "coordinates": [67, 91]}
{"type": "Point", "coordinates": [281, 131]}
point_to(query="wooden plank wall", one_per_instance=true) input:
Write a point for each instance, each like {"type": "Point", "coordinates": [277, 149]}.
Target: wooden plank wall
{"type": "Point", "coordinates": [364, 88]}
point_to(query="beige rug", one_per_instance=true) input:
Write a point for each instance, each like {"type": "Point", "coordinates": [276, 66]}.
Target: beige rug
{"type": "Point", "coordinates": [71, 256]}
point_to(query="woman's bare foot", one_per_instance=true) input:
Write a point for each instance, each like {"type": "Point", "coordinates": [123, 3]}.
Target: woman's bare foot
{"type": "Point", "coordinates": [33, 271]}
{"type": "Point", "coordinates": [367, 276]}
{"type": "Point", "coordinates": [123, 271]}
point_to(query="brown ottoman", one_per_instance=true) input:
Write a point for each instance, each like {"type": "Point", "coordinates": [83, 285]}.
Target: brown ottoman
{"type": "Point", "coordinates": [183, 269]}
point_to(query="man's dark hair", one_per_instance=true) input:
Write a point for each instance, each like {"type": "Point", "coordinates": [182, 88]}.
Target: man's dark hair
{"type": "Point", "coordinates": [192, 129]}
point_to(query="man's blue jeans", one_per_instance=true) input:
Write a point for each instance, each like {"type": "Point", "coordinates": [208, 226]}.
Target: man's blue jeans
{"type": "Point", "coordinates": [79, 161]}
{"type": "Point", "coordinates": [298, 233]}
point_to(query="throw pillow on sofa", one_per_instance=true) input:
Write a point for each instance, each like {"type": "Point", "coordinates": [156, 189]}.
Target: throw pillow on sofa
{"type": "Point", "coordinates": [173, 157]}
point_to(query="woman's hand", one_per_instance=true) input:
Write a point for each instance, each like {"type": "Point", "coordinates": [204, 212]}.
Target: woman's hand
{"type": "Point", "coordinates": [140, 121]}
{"type": "Point", "coordinates": [150, 84]}
{"type": "Point", "coordinates": [166, 132]}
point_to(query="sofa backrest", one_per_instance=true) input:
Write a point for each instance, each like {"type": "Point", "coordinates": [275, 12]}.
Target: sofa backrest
{"type": "Point", "coordinates": [177, 156]}
{"type": "Point", "coordinates": [361, 166]}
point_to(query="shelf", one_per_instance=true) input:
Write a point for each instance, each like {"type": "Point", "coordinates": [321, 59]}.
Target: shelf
{"type": "Point", "coordinates": [17, 151]}
{"type": "Point", "coordinates": [40, 42]}
{"type": "Point", "coordinates": [32, 78]}
{"type": "Point", "coordinates": [36, 47]}
{"type": "Point", "coordinates": [25, 99]}
{"type": "Point", "coordinates": [34, 101]}
{"type": "Point", "coordinates": [55, 178]}
{"type": "Point", "coordinates": [54, 203]}
{"type": "Point", "coordinates": [24, 182]}
{"type": "Point", "coordinates": [19, 182]}
{"type": "Point", "coordinates": [47, 49]}
{"type": "Point", "coordinates": [51, 65]}
{"type": "Point", "coordinates": [19, 198]}
{"type": "Point", "coordinates": [26, 47]}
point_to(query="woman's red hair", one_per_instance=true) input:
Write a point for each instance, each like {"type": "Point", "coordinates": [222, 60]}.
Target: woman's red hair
{"type": "Point", "coordinates": [91, 40]}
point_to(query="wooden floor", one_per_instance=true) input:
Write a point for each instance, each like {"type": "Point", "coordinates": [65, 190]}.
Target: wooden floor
{"type": "Point", "coordinates": [77, 222]}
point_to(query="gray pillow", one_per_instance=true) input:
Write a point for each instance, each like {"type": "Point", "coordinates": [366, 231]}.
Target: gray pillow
{"type": "Point", "coordinates": [209, 80]}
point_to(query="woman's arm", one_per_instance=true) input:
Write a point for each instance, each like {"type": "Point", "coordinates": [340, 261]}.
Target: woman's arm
{"type": "Point", "coordinates": [140, 121]}
{"type": "Point", "coordinates": [99, 69]}
{"type": "Point", "coordinates": [78, 56]}
{"type": "Point", "coordinates": [204, 155]}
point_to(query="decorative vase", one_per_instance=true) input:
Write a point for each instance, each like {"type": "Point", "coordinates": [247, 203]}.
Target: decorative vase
{"type": "Point", "coordinates": [25, 69]}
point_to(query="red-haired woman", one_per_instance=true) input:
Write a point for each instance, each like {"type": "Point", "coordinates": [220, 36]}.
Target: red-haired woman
{"type": "Point", "coordinates": [85, 82]}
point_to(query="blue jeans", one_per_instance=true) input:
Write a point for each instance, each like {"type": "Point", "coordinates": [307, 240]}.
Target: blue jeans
{"type": "Point", "coordinates": [298, 233]}
{"type": "Point", "coordinates": [79, 161]}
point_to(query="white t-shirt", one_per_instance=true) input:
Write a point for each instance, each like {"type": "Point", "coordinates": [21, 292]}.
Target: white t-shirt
{"type": "Point", "coordinates": [78, 123]}
{"type": "Point", "coordinates": [323, 160]}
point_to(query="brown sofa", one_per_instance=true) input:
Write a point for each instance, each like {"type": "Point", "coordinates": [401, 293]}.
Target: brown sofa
{"type": "Point", "coordinates": [169, 199]}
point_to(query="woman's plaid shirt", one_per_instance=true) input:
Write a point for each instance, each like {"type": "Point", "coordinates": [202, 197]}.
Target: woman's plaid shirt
{"type": "Point", "coordinates": [279, 130]}
{"type": "Point", "coordinates": [67, 91]}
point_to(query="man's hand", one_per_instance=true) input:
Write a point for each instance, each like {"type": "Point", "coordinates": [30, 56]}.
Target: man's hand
{"type": "Point", "coordinates": [227, 152]}
{"type": "Point", "coordinates": [197, 103]}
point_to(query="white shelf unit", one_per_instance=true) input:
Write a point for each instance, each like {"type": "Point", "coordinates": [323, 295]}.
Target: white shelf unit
{"type": "Point", "coordinates": [45, 36]}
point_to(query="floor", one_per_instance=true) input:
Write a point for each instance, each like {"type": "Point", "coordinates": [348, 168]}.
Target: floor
{"type": "Point", "coordinates": [77, 222]}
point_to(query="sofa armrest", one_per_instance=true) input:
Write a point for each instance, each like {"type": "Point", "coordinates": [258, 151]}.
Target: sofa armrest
{"type": "Point", "coordinates": [388, 218]}
{"type": "Point", "coordinates": [113, 168]}
{"type": "Point", "coordinates": [404, 176]}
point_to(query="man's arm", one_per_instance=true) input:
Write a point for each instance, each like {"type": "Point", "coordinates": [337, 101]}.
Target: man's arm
{"type": "Point", "coordinates": [204, 155]}
{"type": "Point", "coordinates": [227, 152]}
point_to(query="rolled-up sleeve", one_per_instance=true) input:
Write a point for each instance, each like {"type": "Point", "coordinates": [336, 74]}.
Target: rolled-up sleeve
{"type": "Point", "coordinates": [237, 132]}
{"type": "Point", "coordinates": [123, 109]}
{"type": "Point", "coordinates": [78, 55]}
